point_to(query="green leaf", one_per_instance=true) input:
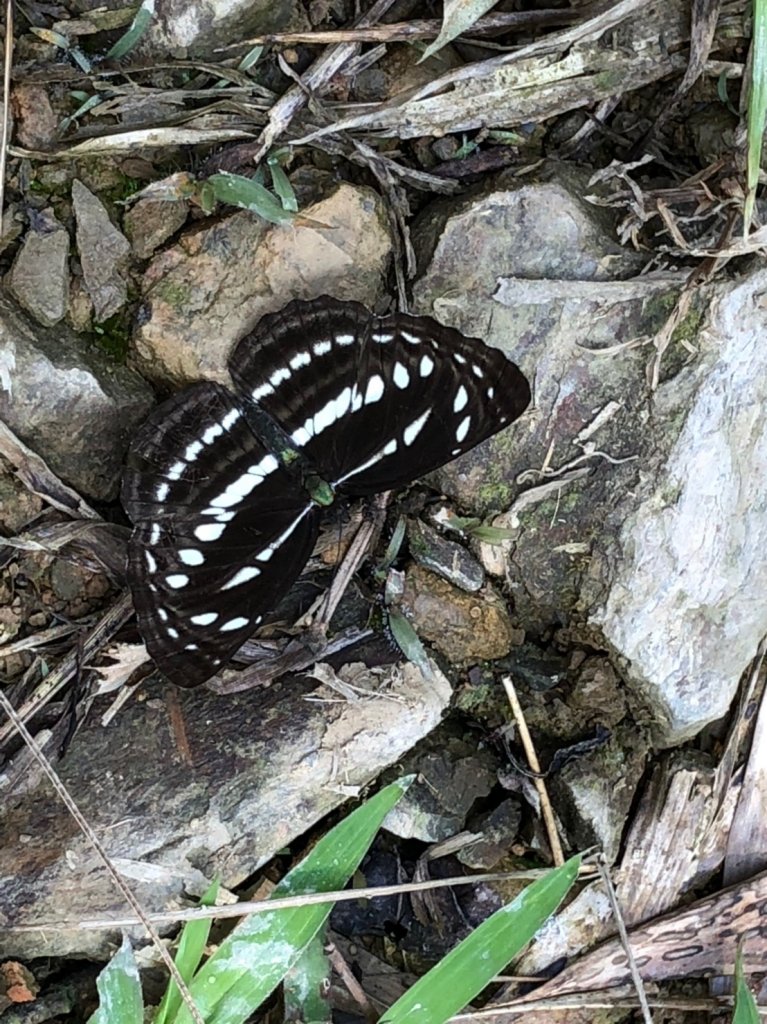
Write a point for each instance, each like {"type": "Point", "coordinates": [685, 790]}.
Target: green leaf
{"type": "Point", "coordinates": [307, 985]}
{"type": "Point", "coordinates": [135, 31]}
{"type": "Point", "coordinates": [119, 988]}
{"type": "Point", "coordinates": [408, 640]}
{"type": "Point", "coordinates": [190, 950]}
{"type": "Point", "coordinates": [491, 534]}
{"type": "Point", "coordinates": [256, 955]}
{"type": "Point", "coordinates": [746, 1011]}
{"type": "Point", "coordinates": [757, 107]}
{"type": "Point", "coordinates": [457, 16]}
{"type": "Point", "coordinates": [282, 186]}
{"type": "Point", "coordinates": [237, 190]}
{"type": "Point", "coordinates": [473, 964]}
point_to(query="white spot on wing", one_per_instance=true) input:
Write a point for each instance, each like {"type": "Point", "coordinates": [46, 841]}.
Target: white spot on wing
{"type": "Point", "coordinates": [261, 392]}
{"type": "Point", "coordinates": [490, 392]}
{"type": "Point", "coordinates": [205, 619]}
{"type": "Point", "coordinates": [400, 376]}
{"type": "Point", "coordinates": [461, 398]}
{"type": "Point", "coordinates": [344, 339]}
{"type": "Point", "coordinates": [191, 647]}
{"type": "Point", "coordinates": [463, 429]}
{"type": "Point", "coordinates": [382, 337]}
{"type": "Point", "coordinates": [300, 359]}
{"type": "Point", "coordinates": [162, 614]}
{"type": "Point", "coordinates": [301, 436]}
{"type": "Point", "coordinates": [177, 580]}
{"type": "Point", "coordinates": [279, 376]}
{"type": "Point", "coordinates": [230, 419]}
{"type": "Point", "coordinates": [154, 533]}
{"type": "Point", "coordinates": [477, 370]}
{"type": "Point", "coordinates": [411, 432]}
{"type": "Point", "coordinates": [425, 366]}
{"type": "Point", "coordinates": [388, 449]}
{"type": "Point", "coordinates": [176, 470]}
{"type": "Point", "coordinates": [209, 531]}
{"type": "Point", "coordinates": [193, 450]}
{"type": "Point", "coordinates": [161, 492]}
{"type": "Point", "coordinates": [173, 633]}
{"type": "Point", "coordinates": [321, 348]}
{"type": "Point", "coordinates": [213, 431]}
{"type": "Point", "coordinates": [248, 573]}
{"type": "Point", "coordinates": [240, 488]}
{"type": "Point", "coordinates": [191, 556]}
{"type": "Point", "coordinates": [151, 564]}
{"type": "Point", "coordinates": [237, 623]}
{"type": "Point", "coordinates": [375, 389]}
{"type": "Point", "coordinates": [412, 338]}
{"type": "Point", "coordinates": [459, 358]}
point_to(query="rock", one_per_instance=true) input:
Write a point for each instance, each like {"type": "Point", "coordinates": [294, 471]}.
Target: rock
{"type": "Point", "coordinates": [446, 558]}
{"type": "Point", "coordinates": [69, 403]}
{"type": "Point", "coordinates": [103, 253]}
{"type": "Point", "coordinates": [150, 222]}
{"type": "Point", "coordinates": [197, 28]}
{"type": "Point", "coordinates": [262, 772]}
{"type": "Point", "coordinates": [496, 832]}
{"type": "Point", "coordinates": [684, 608]}
{"type": "Point", "coordinates": [452, 776]}
{"type": "Point", "coordinates": [558, 286]}
{"type": "Point", "coordinates": [36, 122]}
{"type": "Point", "coordinates": [39, 278]}
{"type": "Point", "coordinates": [464, 627]}
{"type": "Point", "coordinates": [216, 283]}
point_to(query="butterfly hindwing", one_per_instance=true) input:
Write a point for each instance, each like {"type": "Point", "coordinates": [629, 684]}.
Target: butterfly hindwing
{"type": "Point", "coordinates": [221, 531]}
{"type": "Point", "coordinates": [374, 403]}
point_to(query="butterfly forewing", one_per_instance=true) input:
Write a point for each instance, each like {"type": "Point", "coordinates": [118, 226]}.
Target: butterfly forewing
{"type": "Point", "coordinates": [221, 532]}
{"type": "Point", "coordinates": [374, 403]}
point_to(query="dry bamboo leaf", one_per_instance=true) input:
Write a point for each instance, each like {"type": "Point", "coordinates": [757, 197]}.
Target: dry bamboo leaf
{"type": "Point", "coordinates": [145, 138]}
{"type": "Point", "coordinates": [458, 16]}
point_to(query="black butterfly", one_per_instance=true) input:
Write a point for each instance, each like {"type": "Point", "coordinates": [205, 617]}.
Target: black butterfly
{"type": "Point", "coordinates": [226, 488]}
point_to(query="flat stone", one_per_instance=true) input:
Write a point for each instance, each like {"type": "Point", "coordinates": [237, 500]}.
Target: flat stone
{"type": "Point", "coordinates": [39, 278]}
{"type": "Point", "coordinates": [150, 222]}
{"type": "Point", "coordinates": [103, 252]}
{"type": "Point", "coordinates": [209, 289]}
{"type": "Point", "coordinates": [68, 402]}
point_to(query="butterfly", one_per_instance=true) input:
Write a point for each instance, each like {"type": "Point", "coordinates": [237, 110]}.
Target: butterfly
{"type": "Point", "coordinates": [226, 487]}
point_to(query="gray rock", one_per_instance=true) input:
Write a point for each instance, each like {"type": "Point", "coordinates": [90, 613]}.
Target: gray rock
{"type": "Point", "coordinates": [262, 772]}
{"type": "Point", "coordinates": [452, 776]}
{"type": "Point", "coordinates": [65, 400]}
{"type": "Point", "coordinates": [103, 253]}
{"type": "Point", "coordinates": [198, 27]}
{"type": "Point", "coordinates": [150, 222]}
{"type": "Point", "coordinates": [213, 286]}
{"type": "Point", "coordinates": [39, 278]}
{"type": "Point", "coordinates": [685, 608]}
{"type": "Point", "coordinates": [446, 558]}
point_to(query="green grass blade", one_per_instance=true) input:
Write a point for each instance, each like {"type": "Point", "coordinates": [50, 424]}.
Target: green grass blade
{"type": "Point", "coordinates": [746, 1011]}
{"type": "Point", "coordinates": [190, 950]}
{"type": "Point", "coordinates": [306, 988]}
{"type": "Point", "coordinates": [458, 16]}
{"type": "Point", "coordinates": [282, 187]}
{"type": "Point", "coordinates": [119, 987]}
{"type": "Point", "coordinates": [472, 965]}
{"type": "Point", "coordinates": [255, 957]}
{"type": "Point", "coordinates": [135, 31]}
{"type": "Point", "coordinates": [408, 640]}
{"type": "Point", "coordinates": [757, 108]}
{"type": "Point", "coordinates": [237, 190]}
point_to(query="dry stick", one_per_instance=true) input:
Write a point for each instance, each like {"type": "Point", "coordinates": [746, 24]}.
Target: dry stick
{"type": "Point", "coordinates": [532, 758]}
{"type": "Point", "coordinates": [8, 57]}
{"type": "Point", "coordinates": [404, 31]}
{"type": "Point", "coordinates": [286, 902]}
{"type": "Point", "coordinates": [95, 842]}
{"type": "Point", "coordinates": [318, 75]}
{"type": "Point", "coordinates": [636, 977]}
{"type": "Point", "coordinates": [353, 987]}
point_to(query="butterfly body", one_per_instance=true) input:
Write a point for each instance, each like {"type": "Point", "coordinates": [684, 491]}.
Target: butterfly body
{"type": "Point", "coordinates": [226, 488]}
